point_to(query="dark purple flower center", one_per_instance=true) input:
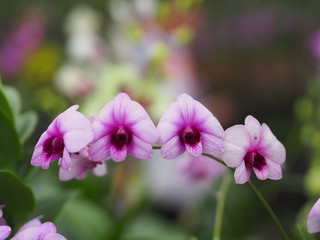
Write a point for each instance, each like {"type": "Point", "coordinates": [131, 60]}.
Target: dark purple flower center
{"type": "Point", "coordinates": [120, 137]}
{"type": "Point", "coordinates": [190, 136]}
{"type": "Point", "coordinates": [254, 159]}
{"type": "Point", "coordinates": [53, 145]}
{"type": "Point", "coordinates": [92, 164]}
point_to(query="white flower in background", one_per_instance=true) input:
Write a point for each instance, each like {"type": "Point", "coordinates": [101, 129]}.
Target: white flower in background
{"type": "Point", "coordinates": [166, 184]}
{"type": "Point", "coordinates": [122, 11]}
{"type": "Point", "coordinates": [84, 43]}
{"type": "Point", "coordinates": [146, 9]}
{"type": "Point", "coordinates": [83, 19]}
{"type": "Point", "coordinates": [74, 81]}
{"type": "Point", "coordinates": [86, 47]}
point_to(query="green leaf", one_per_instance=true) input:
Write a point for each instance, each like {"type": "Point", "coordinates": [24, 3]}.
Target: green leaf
{"type": "Point", "coordinates": [157, 229]}
{"type": "Point", "coordinates": [304, 234]}
{"type": "Point", "coordinates": [82, 219]}
{"type": "Point", "coordinates": [5, 107]}
{"type": "Point", "coordinates": [13, 97]}
{"type": "Point", "coordinates": [17, 197]}
{"type": "Point", "coordinates": [50, 208]}
{"type": "Point", "coordinates": [26, 123]}
{"type": "Point", "coordinates": [10, 148]}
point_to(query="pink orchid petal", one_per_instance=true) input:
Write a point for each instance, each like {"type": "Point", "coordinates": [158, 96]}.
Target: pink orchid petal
{"type": "Point", "coordinates": [35, 222]}
{"type": "Point", "coordinates": [54, 236]}
{"type": "Point", "coordinates": [172, 149]}
{"type": "Point", "coordinates": [236, 143]}
{"type": "Point", "coordinates": [253, 126]}
{"type": "Point", "coordinates": [270, 146]}
{"type": "Point", "coordinates": [100, 150]}
{"type": "Point", "coordinates": [206, 122]}
{"type": "Point", "coordinates": [67, 175]}
{"type": "Point", "coordinates": [101, 128]}
{"type": "Point", "coordinates": [65, 161]}
{"type": "Point", "coordinates": [100, 169]}
{"type": "Point", "coordinates": [47, 228]}
{"type": "Point", "coordinates": [4, 232]}
{"type": "Point", "coordinates": [241, 174]}
{"type": "Point", "coordinates": [54, 128]}
{"type": "Point", "coordinates": [76, 129]}
{"type": "Point", "coordinates": [194, 150]}
{"type": "Point", "coordinates": [118, 155]}
{"type": "Point", "coordinates": [31, 233]}
{"type": "Point", "coordinates": [274, 169]}
{"type": "Point", "coordinates": [77, 170]}
{"type": "Point", "coordinates": [313, 223]}
{"type": "Point", "coordinates": [140, 149]}
{"type": "Point", "coordinates": [167, 131]}
{"type": "Point", "coordinates": [212, 144]}
{"type": "Point", "coordinates": [145, 130]}
{"type": "Point", "coordinates": [37, 154]}
{"type": "Point", "coordinates": [170, 123]}
{"type": "Point", "coordinates": [262, 173]}
{"type": "Point", "coordinates": [187, 107]}
{"type": "Point", "coordinates": [121, 101]}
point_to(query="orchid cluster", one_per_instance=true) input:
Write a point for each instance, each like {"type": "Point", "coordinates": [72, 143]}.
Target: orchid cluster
{"type": "Point", "coordinates": [123, 126]}
{"type": "Point", "coordinates": [33, 229]}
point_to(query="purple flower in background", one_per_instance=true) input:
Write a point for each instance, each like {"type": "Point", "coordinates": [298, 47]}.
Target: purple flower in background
{"type": "Point", "coordinates": [70, 132]}
{"type": "Point", "coordinates": [313, 223]}
{"type": "Point", "coordinates": [188, 125]}
{"type": "Point", "coordinates": [80, 163]}
{"type": "Point", "coordinates": [122, 126]}
{"type": "Point", "coordinates": [27, 36]}
{"type": "Point", "coordinates": [5, 230]}
{"type": "Point", "coordinates": [34, 230]}
{"type": "Point", "coordinates": [315, 45]}
{"type": "Point", "coordinates": [200, 169]}
{"type": "Point", "coordinates": [253, 146]}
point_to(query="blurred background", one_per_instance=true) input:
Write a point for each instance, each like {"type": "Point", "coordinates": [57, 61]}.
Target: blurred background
{"type": "Point", "coordinates": [236, 57]}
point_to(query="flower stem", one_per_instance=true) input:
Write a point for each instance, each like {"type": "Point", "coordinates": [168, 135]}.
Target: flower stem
{"type": "Point", "coordinates": [269, 210]}
{"type": "Point", "coordinates": [220, 206]}
{"type": "Point", "coordinates": [260, 197]}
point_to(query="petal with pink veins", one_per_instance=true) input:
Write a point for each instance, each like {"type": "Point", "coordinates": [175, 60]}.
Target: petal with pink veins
{"type": "Point", "coordinates": [118, 155]}
{"type": "Point", "coordinates": [211, 144]}
{"type": "Point", "coordinates": [187, 107]}
{"type": "Point", "coordinates": [261, 173]}
{"type": "Point", "coordinates": [170, 123]}
{"type": "Point", "coordinates": [253, 126]}
{"type": "Point", "coordinates": [271, 147]}
{"type": "Point", "coordinates": [172, 149]}
{"type": "Point", "coordinates": [194, 150]}
{"type": "Point", "coordinates": [100, 149]}
{"type": "Point", "coordinates": [4, 232]}
{"type": "Point", "coordinates": [313, 223]}
{"type": "Point", "coordinates": [241, 174]}
{"type": "Point", "coordinates": [205, 121]}
{"type": "Point", "coordinates": [65, 161]}
{"type": "Point", "coordinates": [54, 236]}
{"type": "Point", "coordinates": [140, 149]}
{"type": "Point", "coordinates": [236, 144]}
{"type": "Point", "coordinates": [120, 104]}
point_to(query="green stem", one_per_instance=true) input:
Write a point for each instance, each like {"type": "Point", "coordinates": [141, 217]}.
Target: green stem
{"type": "Point", "coordinates": [260, 197]}
{"type": "Point", "coordinates": [269, 210]}
{"type": "Point", "coordinates": [256, 192]}
{"type": "Point", "coordinates": [221, 194]}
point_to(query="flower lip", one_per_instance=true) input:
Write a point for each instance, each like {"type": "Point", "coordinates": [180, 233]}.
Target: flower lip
{"type": "Point", "coordinates": [121, 137]}
{"type": "Point", "coordinates": [253, 159]}
{"type": "Point", "coordinates": [190, 135]}
{"type": "Point", "coordinates": [53, 145]}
